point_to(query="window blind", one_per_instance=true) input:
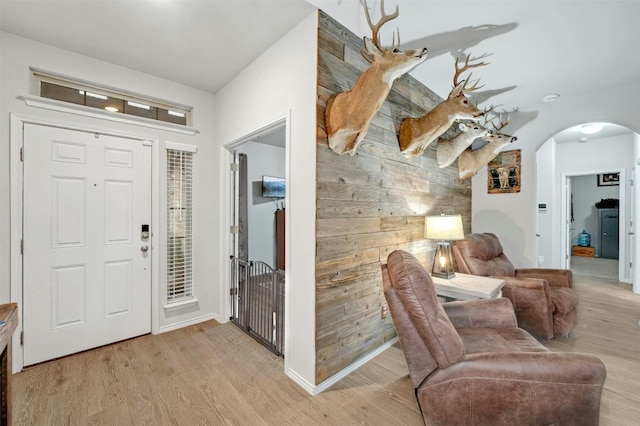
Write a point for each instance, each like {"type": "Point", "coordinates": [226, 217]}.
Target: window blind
{"type": "Point", "coordinates": [179, 225]}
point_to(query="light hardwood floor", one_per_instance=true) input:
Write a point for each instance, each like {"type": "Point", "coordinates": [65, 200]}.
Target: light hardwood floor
{"type": "Point", "coordinates": [213, 374]}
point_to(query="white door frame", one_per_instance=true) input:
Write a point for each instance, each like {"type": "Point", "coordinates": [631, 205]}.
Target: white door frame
{"type": "Point", "coordinates": [16, 178]}
{"type": "Point", "coordinates": [622, 223]}
{"type": "Point", "coordinates": [635, 240]}
{"type": "Point", "coordinates": [227, 246]}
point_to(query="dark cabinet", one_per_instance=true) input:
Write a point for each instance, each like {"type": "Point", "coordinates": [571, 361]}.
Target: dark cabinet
{"type": "Point", "coordinates": [280, 237]}
{"type": "Point", "coordinates": [608, 234]}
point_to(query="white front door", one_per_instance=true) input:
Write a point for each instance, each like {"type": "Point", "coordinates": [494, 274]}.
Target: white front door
{"type": "Point", "coordinates": [86, 265]}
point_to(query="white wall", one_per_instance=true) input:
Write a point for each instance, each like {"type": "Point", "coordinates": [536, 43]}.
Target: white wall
{"type": "Point", "coordinates": [281, 83]}
{"type": "Point", "coordinates": [18, 55]}
{"type": "Point", "coordinates": [513, 216]}
{"type": "Point", "coordinates": [545, 163]}
{"type": "Point", "coordinates": [270, 161]}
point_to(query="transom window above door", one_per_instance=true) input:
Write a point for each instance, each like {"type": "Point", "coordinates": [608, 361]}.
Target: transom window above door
{"type": "Point", "coordinates": [60, 89]}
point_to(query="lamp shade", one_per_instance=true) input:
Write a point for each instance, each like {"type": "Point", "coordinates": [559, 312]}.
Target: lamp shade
{"type": "Point", "coordinates": [444, 227]}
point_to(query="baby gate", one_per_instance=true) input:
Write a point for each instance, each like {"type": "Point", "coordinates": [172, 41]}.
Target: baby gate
{"type": "Point", "coordinates": [257, 302]}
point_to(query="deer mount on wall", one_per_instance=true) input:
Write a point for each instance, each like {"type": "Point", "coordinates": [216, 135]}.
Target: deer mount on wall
{"type": "Point", "coordinates": [472, 160]}
{"type": "Point", "coordinates": [348, 114]}
{"type": "Point", "coordinates": [417, 133]}
{"type": "Point", "coordinates": [447, 150]}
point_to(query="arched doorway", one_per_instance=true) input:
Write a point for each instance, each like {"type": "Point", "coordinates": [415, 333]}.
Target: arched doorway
{"type": "Point", "coordinates": [587, 157]}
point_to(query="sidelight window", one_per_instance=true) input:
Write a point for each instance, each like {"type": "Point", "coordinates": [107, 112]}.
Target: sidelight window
{"type": "Point", "coordinates": [180, 285]}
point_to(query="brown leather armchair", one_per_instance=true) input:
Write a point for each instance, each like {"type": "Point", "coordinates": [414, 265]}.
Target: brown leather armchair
{"type": "Point", "coordinates": [471, 365]}
{"type": "Point", "coordinates": [544, 302]}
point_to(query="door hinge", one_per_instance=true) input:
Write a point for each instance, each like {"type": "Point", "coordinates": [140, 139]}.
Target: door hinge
{"type": "Point", "coordinates": [233, 292]}
{"type": "Point", "coordinates": [22, 153]}
{"type": "Point", "coordinates": [22, 337]}
{"type": "Point", "coordinates": [235, 167]}
{"type": "Point", "coordinates": [233, 229]}
{"type": "Point", "coordinates": [21, 246]}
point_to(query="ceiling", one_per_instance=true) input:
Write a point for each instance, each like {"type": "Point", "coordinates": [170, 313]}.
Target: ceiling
{"type": "Point", "coordinates": [536, 47]}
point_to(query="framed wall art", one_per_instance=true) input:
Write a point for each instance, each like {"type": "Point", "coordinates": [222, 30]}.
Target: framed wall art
{"type": "Point", "coordinates": [503, 173]}
{"type": "Point", "coordinates": [609, 179]}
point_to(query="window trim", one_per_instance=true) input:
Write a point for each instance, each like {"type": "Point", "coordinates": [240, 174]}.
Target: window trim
{"type": "Point", "coordinates": [34, 99]}
{"type": "Point", "coordinates": [60, 106]}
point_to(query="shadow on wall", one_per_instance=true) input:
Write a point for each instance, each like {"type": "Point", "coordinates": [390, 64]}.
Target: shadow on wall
{"type": "Point", "coordinates": [458, 41]}
{"type": "Point", "coordinates": [510, 235]}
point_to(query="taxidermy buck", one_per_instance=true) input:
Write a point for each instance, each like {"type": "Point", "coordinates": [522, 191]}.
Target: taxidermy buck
{"type": "Point", "coordinates": [417, 133]}
{"type": "Point", "coordinates": [470, 161]}
{"type": "Point", "coordinates": [447, 150]}
{"type": "Point", "coordinates": [349, 113]}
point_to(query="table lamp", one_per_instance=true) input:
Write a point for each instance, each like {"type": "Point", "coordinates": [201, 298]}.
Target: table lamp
{"type": "Point", "coordinates": [444, 228]}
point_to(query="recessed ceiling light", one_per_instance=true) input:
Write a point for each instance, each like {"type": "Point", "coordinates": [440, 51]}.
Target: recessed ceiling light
{"type": "Point", "coordinates": [112, 109]}
{"type": "Point", "coordinates": [591, 128]}
{"type": "Point", "coordinates": [552, 97]}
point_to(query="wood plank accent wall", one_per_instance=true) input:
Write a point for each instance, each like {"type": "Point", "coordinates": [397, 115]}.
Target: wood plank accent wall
{"type": "Point", "coordinates": [368, 205]}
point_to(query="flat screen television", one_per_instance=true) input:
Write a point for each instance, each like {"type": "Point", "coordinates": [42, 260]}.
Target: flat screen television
{"type": "Point", "coordinates": [273, 187]}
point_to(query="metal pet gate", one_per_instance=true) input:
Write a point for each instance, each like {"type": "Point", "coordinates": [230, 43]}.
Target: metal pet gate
{"type": "Point", "coordinates": [257, 301]}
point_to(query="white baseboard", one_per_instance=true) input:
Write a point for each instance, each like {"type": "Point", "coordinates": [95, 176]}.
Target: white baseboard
{"type": "Point", "coordinates": [189, 322]}
{"type": "Point", "coordinates": [317, 389]}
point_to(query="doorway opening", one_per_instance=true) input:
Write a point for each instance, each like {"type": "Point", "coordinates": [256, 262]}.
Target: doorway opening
{"type": "Point", "coordinates": [258, 260]}
{"type": "Point", "coordinates": [579, 176]}
{"type": "Point", "coordinates": [594, 225]}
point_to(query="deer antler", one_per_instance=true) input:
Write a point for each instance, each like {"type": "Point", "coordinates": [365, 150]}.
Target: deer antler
{"type": "Point", "coordinates": [466, 67]}
{"type": "Point", "coordinates": [485, 115]}
{"type": "Point", "coordinates": [384, 18]}
{"type": "Point", "coordinates": [503, 123]}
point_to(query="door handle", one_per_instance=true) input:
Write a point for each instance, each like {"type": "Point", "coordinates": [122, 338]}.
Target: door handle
{"type": "Point", "coordinates": [144, 249]}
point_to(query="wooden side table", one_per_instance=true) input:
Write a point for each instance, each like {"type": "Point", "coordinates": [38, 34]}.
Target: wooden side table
{"type": "Point", "coordinates": [8, 314]}
{"type": "Point", "coordinates": [468, 287]}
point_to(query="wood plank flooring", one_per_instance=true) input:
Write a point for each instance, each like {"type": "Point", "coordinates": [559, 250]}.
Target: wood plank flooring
{"type": "Point", "coordinates": [213, 374]}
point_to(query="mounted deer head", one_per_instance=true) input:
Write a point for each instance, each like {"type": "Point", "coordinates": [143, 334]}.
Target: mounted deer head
{"type": "Point", "coordinates": [447, 150]}
{"type": "Point", "coordinates": [348, 114]}
{"type": "Point", "coordinates": [417, 133]}
{"type": "Point", "coordinates": [470, 161]}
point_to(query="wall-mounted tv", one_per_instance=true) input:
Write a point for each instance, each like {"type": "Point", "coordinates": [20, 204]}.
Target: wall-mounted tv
{"type": "Point", "coordinates": [273, 187]}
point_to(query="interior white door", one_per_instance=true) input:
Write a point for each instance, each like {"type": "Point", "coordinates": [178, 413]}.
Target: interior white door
{"type": "Point", "coordinates": [87, 266]}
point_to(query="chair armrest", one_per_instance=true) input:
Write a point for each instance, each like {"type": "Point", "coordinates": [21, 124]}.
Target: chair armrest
{"type": "Point", "coordinates": [532, 304]}
{"type": "Point", "coordinates": [515, 388]}
{"type": "Point", "coordinates": [482, 313]}
{"type": "Point", "coordinates": [544, 367]}
{"type": "Point", "coordinates": [555, 277]}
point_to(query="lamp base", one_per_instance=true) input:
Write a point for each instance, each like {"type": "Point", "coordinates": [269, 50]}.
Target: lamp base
{"type": "Point", "coordinates": [443, 261]}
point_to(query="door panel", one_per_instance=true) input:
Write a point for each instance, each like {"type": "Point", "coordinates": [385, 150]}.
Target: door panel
{"type": "Point", "coordinates": [86, 281]}
{"type": "Point", "coordinates": [68, 212]}
{"type": "Point", "coordinates": [69, 284]}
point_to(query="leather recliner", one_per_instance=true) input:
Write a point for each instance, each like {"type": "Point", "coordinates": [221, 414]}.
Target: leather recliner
{"type": "Point", "coordinates": [471, 365]}
{"type": "Point", "coordinates": [543, 299]}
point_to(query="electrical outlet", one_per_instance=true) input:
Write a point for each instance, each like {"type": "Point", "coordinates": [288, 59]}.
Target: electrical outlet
{"type": "Point", "coordinates": [540, 260]}
{"type": "Point", "coordinates": [384, 311]}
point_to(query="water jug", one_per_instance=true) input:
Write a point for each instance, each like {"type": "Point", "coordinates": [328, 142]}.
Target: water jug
{"type": "Point", "coordinates": [584, 238]}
